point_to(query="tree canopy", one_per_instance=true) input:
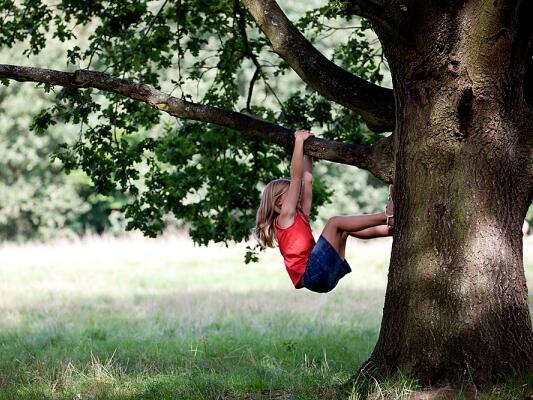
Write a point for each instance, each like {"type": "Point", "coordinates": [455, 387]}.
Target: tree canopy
{"type": "Point", "coordinates": [190, 60]}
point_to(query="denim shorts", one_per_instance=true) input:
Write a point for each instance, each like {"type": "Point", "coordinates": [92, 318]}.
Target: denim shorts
{"type": "Point", "coordinates": [325, 267]}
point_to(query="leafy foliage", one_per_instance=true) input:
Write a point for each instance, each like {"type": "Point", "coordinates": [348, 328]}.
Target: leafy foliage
{"type": "Point", "coordinates": [38, 201]}
{"type": "Point", "coordinates": [198, 50]}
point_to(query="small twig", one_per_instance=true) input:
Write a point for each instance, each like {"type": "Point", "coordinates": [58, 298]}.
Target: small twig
{"type": "Point", "coordinates": [339, 27]}
{"type": "Point", "coordinates": [251, 88]}
{"type": "Point", "coordinates": [258, 72]}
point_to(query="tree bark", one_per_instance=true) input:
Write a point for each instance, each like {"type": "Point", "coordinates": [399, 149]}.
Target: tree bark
{"type": "Point", "coordinates": [456, 308]}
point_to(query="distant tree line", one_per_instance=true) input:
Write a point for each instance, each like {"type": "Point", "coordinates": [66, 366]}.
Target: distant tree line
{"type": "Point", "coordinates": [38, 201]}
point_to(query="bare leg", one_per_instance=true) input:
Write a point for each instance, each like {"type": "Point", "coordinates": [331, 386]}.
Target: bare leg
{"type": "Point", "coordinates": [337, 228]}
{"type": "Point", "coordinates": [373, 232]}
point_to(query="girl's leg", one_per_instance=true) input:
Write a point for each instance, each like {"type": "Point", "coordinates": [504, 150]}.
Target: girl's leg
{"type": "Point", "coordinates": [373, 232]}
{"type": "Point", "coordinates": [337, 228]}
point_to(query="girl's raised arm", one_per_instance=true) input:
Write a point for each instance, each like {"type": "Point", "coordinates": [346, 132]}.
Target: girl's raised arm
{"type": "Point", "coordinates": [288, 208]}
{"type": "Point", "coordinates": [307, 189]}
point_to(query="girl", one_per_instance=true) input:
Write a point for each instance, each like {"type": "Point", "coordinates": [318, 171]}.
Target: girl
{"type": "Point", "coordinates": [283, 218]}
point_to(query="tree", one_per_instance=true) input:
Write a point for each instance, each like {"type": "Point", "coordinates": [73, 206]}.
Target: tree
{"type": "Point", "coordinates": [460, 153]}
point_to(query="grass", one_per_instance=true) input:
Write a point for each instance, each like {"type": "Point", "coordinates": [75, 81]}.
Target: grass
{"type": "Point", "coordinates": [162, 319]}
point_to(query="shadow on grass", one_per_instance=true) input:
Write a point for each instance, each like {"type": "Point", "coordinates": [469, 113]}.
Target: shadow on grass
{"type": "Point", "coordinates": [190, 345]}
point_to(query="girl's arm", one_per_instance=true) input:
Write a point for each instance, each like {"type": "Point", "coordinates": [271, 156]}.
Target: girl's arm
{"type": "Point", "coordinates": [288, 208]}
{"type": "Point", "coordinates": [307, 189]}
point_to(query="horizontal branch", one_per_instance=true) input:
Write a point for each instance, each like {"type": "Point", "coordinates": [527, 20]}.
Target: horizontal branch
{"type": "Point", "coordinates": [374, 103]}
{"type": "Point", "coordinates": [377, 159]}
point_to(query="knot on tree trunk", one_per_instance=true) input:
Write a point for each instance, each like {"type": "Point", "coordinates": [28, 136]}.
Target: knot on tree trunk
{"type": "Point", "coordinates": [465, 113]}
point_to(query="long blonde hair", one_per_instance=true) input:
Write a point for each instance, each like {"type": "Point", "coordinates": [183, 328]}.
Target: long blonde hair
{"type": "Point", "coordinates": [264, 230]}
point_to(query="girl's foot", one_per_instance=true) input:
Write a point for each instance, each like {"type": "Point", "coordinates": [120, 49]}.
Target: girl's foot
{"type": "Point", "coordinates": [389, 209]}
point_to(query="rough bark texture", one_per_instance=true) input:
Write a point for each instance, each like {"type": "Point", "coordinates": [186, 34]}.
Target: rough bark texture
{"type": "Point", "coordinates": [456, 308]}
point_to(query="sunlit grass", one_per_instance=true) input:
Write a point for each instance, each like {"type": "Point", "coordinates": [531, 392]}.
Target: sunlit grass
{"type": "Point", "coordinates": [157, 319]}
{"type": "Point", "coordinates": [162, 318]}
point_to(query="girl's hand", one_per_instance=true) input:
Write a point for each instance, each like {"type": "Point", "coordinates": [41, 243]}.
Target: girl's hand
{"type": "Point", "coordinates": [302, 134]}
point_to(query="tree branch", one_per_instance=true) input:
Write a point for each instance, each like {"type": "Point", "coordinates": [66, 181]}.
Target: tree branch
{"type": "Point", "coordinates": [374, 10]}
{"type": "Point", "coordinates": [374, 103]}
{"type": "Point", "coordinates": [377, 158]}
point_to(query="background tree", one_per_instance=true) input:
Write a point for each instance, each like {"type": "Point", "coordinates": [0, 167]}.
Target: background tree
{"type": "Point", "coordinates": [460, 152]}
{"type": "Point", "coordinates": [38, 201]}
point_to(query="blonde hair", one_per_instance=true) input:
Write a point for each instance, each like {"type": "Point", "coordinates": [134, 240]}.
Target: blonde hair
{"type": "Point", "coordinates": [264, 230]}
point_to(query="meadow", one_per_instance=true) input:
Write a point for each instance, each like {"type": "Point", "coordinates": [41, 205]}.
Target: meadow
{"type": "Point", "coordinates": [138, 318]}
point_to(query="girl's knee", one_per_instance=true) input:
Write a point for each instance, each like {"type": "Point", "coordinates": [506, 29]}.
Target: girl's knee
{"type": "Point", "coordinates": [332, 232]}
{"type": "Point", "coordinates": [333, 222]}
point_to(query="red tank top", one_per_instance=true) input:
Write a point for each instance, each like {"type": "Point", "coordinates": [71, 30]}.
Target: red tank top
{"type": "Point", "coordinates": [295, 244]}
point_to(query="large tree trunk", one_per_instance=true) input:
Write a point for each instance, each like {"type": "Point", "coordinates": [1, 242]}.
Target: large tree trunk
{"type": "Point", "coordinates": [456, 307]}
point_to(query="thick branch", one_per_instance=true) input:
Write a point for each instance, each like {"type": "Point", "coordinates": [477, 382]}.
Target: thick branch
{"type": "Point", "coordinates": [374, 103]}
{"type": "Point", "coordinates": [374, 10]}
{"type": "Point", "coordinates": [377, 159]}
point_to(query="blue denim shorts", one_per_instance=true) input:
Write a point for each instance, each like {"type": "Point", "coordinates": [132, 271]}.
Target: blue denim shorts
{"type": "Point", "coordinates": [325, 267]}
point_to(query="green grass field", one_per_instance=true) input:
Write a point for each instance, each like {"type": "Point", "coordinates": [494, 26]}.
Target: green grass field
{"type": "Point", "coordinates": [162, 319]}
